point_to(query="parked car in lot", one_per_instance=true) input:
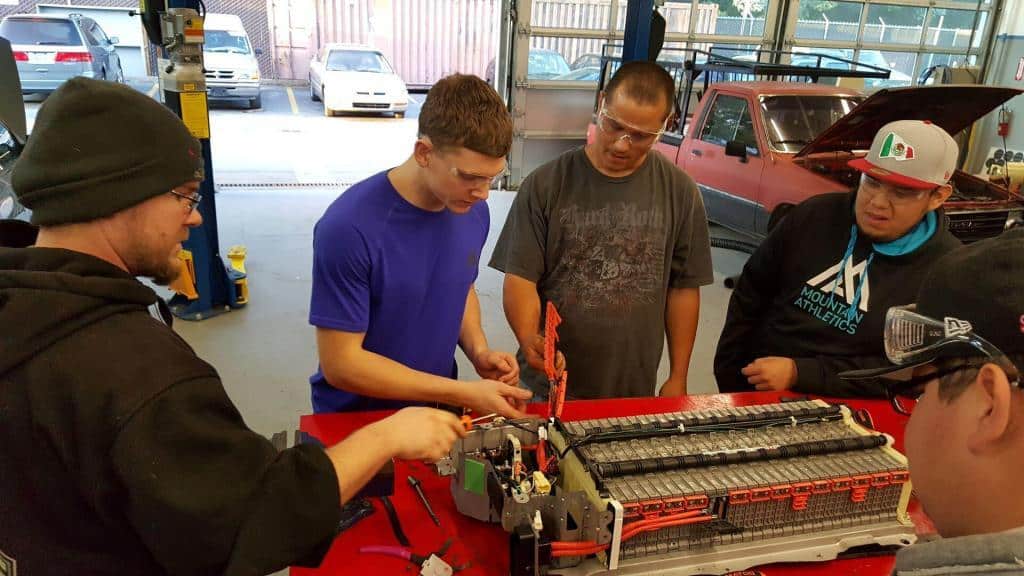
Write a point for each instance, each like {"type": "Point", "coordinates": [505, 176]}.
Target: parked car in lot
{"type": "Point", "coordinates": [543, 64]}
{"type": "Point", "coordinates": [758, 148]}
{"type": "Point", "coordinates": [809, 57]}
{"type": "Point", "coordinates": [232, 71]}
{"type": "Point", "coordinates": [587, 60]}
{"type": "Point", "coordinates": [50, 49]}
{"type": "Point", "coordinates": [353, 78]}
{"type": "Point", "coordinates": [585, 74]}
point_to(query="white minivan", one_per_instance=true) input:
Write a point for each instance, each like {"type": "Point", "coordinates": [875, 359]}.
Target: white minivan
{"type": "Point", "coordinates": [232, 71]}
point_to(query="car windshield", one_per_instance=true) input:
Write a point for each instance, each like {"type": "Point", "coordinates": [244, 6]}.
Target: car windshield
{"type": "Point", "coordinates": [546, 65]}
{"type": "Point", "coordinates": [793, 121]}
{"type": "Point", "coordinates": [226, 41]}
{"type": "Point", "coordinates": [40, 31]}
{"type": "Point", "coordinates": [357, 61]}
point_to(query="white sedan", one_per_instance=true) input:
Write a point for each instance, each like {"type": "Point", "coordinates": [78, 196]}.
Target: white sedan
{"type": "Point", "coordinates": [350, 78]}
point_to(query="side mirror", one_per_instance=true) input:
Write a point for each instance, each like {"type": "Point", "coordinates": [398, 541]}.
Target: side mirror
{"type": "Point", "coordinates": [737, 149]}
{"type": "Point", "coordinates": [114, 40]}
{"type": "Point", "coordinates": [259, 51]}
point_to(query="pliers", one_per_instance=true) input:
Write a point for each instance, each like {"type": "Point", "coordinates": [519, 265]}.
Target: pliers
{"type": "Point", "coordinates": [430, 565]}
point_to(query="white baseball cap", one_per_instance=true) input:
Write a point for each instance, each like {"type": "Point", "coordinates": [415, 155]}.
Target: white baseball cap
{"type": "Point", "coordinates": [910, 154]}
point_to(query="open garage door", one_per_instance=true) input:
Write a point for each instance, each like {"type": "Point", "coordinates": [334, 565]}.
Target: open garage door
{"type": "Point", "coordinates": [556, 53]}
{"type": "Point", "coordinates": [556, 46]}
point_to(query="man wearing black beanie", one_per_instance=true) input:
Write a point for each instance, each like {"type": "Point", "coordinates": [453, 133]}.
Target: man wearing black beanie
{"type": "Point", "coordinates": [121, 452]}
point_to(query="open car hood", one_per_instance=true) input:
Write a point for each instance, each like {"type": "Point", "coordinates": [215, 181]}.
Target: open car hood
{"type": "Point", "coordinates": [953, 107]}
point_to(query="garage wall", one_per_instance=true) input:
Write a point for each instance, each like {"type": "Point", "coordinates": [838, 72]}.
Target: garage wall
{"type": "Point", "coordinates": [424, 40]}
{"type": "Point", "coordinates": [1003, 69]}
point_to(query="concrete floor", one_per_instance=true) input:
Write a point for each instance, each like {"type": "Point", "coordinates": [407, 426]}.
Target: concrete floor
{"type": "Point", "coordinates": [266, 352]}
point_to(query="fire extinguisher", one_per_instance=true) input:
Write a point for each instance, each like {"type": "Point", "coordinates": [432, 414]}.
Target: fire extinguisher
{"type": "Point", "coordinates": [1004, 122]}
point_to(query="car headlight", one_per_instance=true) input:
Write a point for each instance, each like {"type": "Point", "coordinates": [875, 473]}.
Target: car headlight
{"type": "Point", "coordinates": [252, 75]}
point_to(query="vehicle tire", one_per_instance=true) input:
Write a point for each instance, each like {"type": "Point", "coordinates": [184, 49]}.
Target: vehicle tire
{"type": "Point", "coordinates": [777, 216]}
{"type": "Point", "coordinates": [256, 102]}
{"type": "Point", "coordinates": [312, 92]}
{"type": "Point", "coordinates": [119, 78]}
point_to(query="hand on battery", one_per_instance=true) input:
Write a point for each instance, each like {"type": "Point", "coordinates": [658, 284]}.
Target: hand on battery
{"type": "Point", "coordinates": [491, 396]}
{"type": "Point", "coordinates": [771, 373]}
{"type": "Point", "coordinates": [422, 433]}
{"type": "Point", "coordinates": [535, 356]}
{"type": "Point", "coordinates": [495, 365]}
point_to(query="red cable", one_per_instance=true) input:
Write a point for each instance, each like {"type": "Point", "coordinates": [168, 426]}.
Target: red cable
{"type": "Point", "coordinates": [586, 548]}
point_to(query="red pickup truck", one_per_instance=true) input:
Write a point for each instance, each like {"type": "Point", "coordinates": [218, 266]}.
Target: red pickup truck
{"type": "Point", "coordinates": [758, 148]}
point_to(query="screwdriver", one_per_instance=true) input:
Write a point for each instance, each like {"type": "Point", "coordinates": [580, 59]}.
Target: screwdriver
{"type": "Point", "coordinates": [423, 498]}
{"type": "Point", "coordinates": [467, 423]}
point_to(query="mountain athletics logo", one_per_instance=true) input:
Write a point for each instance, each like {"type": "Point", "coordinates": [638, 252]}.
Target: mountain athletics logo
{"type": "Point", "coordinates": [818, 299]}
{"type": "Point", "coordinates": [896, 148]}
{"type": "Point", "coordinates": [957, 327]}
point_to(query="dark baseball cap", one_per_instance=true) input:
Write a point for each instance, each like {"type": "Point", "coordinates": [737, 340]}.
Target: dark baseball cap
{"type": "Point", "coordinates": [971, 303]}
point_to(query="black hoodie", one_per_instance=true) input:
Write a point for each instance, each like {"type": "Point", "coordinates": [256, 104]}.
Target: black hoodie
{"type": "Point", "coordinates": [120, 452]}
{"type": "Point", "coordinates": [789, 303]}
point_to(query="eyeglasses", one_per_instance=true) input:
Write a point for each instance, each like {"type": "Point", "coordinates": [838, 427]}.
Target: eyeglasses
{"type": "Point", "coordinates": [618, 129]}
{"type": "Point", "coordinates": [477, 180]}
{"type": "Point", "coordinates": [193, 201]}
{"type": "Point", "coordinates": [904, 394]}
{"type": "Point", "coordinates": [896, 195]}
{"type": "Point", "coordinates": [913, 339]}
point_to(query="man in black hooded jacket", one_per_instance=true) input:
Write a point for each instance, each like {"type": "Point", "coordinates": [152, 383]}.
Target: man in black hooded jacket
{"type": "Point", "coordinates": [811, 301]}
{"type": "Point", "coordinates": [120, 452]}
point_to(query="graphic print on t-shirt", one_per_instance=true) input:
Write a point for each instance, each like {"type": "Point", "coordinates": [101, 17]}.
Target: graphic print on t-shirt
{"type": "Point", "coordinates": [832, 307]}
{"type": "Point", "coordinates": [614, 255]}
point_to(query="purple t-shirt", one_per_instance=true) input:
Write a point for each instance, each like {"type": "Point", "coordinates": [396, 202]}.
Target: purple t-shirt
{"type": "Point", "coordinates": [400, 274]}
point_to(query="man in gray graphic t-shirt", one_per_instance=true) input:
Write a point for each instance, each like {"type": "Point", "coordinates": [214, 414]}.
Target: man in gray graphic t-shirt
{"type": "Point", "coordinates": [617, 239]}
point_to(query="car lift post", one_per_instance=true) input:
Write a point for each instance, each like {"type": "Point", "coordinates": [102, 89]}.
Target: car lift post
{"type": "Point", "coordinates": [183, 82]}
{"type": "Point", "coordinates": [637, 33]}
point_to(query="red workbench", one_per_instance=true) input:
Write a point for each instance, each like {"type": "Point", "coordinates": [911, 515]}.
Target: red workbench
{"type": "Point", "coordinates": [485, 545]}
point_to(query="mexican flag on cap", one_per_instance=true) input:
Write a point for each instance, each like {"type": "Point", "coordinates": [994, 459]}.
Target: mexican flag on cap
{"type": "Point", "coordinates": [896, 148]}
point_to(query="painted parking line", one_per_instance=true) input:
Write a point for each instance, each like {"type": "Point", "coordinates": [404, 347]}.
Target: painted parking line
{"type": "Point", "coordinates": [152, 90]}
{"type": "Point", "coordinates": [291, 99]}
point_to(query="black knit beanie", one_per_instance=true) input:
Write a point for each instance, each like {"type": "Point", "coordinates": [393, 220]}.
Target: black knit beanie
{"type": "Point", "coordinates": [99, 147]}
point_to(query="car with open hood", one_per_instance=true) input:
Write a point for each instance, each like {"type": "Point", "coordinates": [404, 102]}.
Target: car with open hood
{"type": "Point", "coordinates": [757, 148]}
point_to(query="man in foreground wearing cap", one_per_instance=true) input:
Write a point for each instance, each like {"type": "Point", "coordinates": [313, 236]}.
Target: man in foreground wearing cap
{"type": "Point", "coordinates": [121, 452]}
{"type": "Point", "coordinates": [811, 300]}
{"type": "Point", "coordinates": [957, 355]}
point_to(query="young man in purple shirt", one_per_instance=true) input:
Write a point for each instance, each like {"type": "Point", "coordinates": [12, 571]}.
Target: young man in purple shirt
{"type": "Point", "coordinates": [394, 262]}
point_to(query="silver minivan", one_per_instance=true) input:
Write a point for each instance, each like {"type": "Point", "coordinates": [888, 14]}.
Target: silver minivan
{"type": "Point", "coordinates": [50, 49]}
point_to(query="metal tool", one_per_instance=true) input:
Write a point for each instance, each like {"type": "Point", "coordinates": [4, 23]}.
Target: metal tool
{"type": "Point", "coordinates": [468, 422]}
{"type": "Point", "coordinates": [423, 498]}
{"type": "Point", "coordinates": [396, 526]}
